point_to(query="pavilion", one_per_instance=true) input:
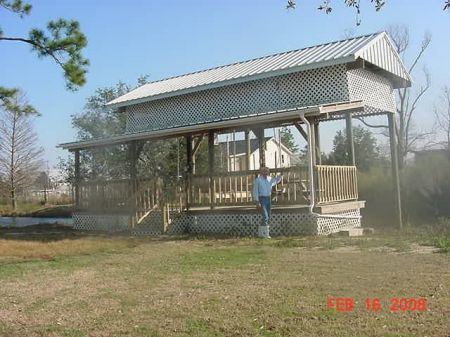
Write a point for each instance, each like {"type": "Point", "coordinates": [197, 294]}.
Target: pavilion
{"type": "Point", "coordinates": [345, 79]}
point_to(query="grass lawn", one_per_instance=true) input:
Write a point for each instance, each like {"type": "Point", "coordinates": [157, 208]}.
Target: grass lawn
{"type": "Point", "coordinates": [72, 284]}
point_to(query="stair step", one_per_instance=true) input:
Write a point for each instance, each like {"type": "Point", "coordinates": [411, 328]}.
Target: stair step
{"type": "Point", "coordinates": [357, 231]}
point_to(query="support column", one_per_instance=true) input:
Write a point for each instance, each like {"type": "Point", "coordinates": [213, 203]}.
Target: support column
{"type": "Point", "coordinates": [350, 140]}
{"type": "Point", "coordinates": [212, 185]}
{"type": "Point", "coordinates": [188, 171]}
{"type": "Point", "coordinates": [395, 174]}
{"type": "Point", "coordinates": [262, 147]}
{"type": "Point", "coordinates": [248, 148]}
{"type": "Point", "coordinates": [313, 141]}
{"type": "Point", "coordinates": [133, 160]}
{"type": "Point", "coordinates": [132, 155]}
{"type": "Point", "coordinates": [77, 179]}
{"type": "Point", "coordinates": [317, 143]}
{"type": "Point", "coordinates": [196, 147]}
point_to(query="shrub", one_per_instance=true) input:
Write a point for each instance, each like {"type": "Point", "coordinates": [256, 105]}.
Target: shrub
{"type": "Point", "coordinates": [426, 188]}
{"type": "Point", "coordinates": [375, 187]}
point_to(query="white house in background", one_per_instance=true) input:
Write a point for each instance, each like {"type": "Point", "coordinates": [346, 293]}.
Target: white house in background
{"type": "Point", "coordinates": [277, 155]}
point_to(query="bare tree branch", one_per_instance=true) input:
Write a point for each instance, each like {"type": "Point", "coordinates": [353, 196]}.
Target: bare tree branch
{"type": "Point", "coordinates": [371, 125]}
{"type": "Point", "coordinates": [20, 156]}
{"type": "Point", "coordinates": [407, 137]}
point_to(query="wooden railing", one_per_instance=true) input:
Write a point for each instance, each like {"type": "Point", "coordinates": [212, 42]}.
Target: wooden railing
{"type": "Point", "coordinates": [235, 188]}
{"type": "Point", "coordinates": [137, 197]}
{"type": "Point", "coordinates": [145, 198]}
{"type": "Point", "coordinates": [118, 195]}
{"type": "Point", "coordinates": [335, 183]}
{"type": "Point", "coordinates": [104, 195]}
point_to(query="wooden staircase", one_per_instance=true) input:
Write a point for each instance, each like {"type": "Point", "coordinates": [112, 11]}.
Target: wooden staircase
{"type": "Point", "coordinates": [152, 212]}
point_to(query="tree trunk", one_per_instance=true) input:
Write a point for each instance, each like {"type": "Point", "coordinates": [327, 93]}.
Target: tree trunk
{"type": "Point", "coordinates": [12, 167]}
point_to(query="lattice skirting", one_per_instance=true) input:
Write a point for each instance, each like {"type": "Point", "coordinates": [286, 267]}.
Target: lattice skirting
{"type": "Point", "coordinates": [100, 222]}
{"type": "Point", "coordinates": [282, 223]}
{"type": "Point", "coordinates": [332, 224]}
{"type": "Point", "coordinates": [294, 223]}
{"type": "Point", "coordinates": [236, 224]}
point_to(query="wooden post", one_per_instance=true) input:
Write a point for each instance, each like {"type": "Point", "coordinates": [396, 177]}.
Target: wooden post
{"type": "Point", "coordinates": [77, 179]}
{"type": "Point", "coordinates": [188, 171]}
{"type": "Point", "coordinates": [133, 160]}
{"type": "Point", "coordinates": [248, 149]}
{"type": "Point", "coordinates": [212, 192]}
{"type": "Point", "coordinates": [317, 143]}
{"type": "Point", "coordinates": [313, 140]}
{"type": "Point", "coordinates": [132, 155]}
{"type": "Point", "coordinates": [262, 148]}
{"type": "Point", "coordinates": [196, 146]}
{"type": "Point", "coordinates": [302, 132]}
{"type": "Point", "coordinates": [350, 140]}
{"type": "Point", "coordinates": [394, 165]}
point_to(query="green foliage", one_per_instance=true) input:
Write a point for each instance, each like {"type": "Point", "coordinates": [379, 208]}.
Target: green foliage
{"type": "Point", "coordinates": [443, 244]}
{"type": "Point", "coordinates": [426, 186]}
{"type": "Point", "coordinates": [64, 45]}
{"type": "Point", "coordinates": [9, 101]}
{"type": "Point", "coordinates": [375, 187]}
{"type": "Point", "coordinates": [62, 41]}
{"type": "Point", "coordinates": [425, 194]}
{"type": "Point", "coordinates": [155, 158]}
{"type": "Point", "coordinates": [367, 152]}
{"type": "Point", "coordinates": [97, 120]}
{"type": "Point", "coordinates": [16, 6]}
{"type": "Point", "coordinates": [287, 139]}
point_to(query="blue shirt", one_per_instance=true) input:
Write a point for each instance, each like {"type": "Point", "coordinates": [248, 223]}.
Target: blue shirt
{"type": "Point", "coordinates": [262, 187]}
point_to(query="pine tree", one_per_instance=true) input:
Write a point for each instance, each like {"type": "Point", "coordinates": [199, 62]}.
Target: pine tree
{"type": "Point", "coordinates": [62, 41]}
{"type": "Point", "coordinates": [367, 152]}
{"type": "Point", "coordinates": [287, 139]}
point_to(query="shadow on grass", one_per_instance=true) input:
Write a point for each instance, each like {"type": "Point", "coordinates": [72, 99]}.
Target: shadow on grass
{"type": "Point", "coordinates": [392, 239]}
{"type": "Point", "coordinates": [41, 233]}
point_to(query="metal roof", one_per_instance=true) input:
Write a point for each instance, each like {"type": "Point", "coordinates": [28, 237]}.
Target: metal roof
{"type": "Point", "coordinates": [374, 48]}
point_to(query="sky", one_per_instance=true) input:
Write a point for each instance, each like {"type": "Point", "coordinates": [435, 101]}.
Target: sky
{"type": "Point", "coordinates": [160, 39]}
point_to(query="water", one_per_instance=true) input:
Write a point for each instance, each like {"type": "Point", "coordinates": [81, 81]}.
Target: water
{"type": "Point", "coordinates": [28, 221]}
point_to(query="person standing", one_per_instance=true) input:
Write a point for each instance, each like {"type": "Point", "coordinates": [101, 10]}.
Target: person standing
{"type": "Point", "coordinates": [262, 191]}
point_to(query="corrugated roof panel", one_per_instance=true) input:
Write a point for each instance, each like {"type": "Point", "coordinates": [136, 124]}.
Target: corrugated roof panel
{"type": "Point", "coordinates": [382, 54]}
{"type": "Point", "coordinates": [334, 52]}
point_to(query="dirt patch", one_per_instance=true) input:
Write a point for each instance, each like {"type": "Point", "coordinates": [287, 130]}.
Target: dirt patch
{"type": "Point", "coordinates": [420, 249]}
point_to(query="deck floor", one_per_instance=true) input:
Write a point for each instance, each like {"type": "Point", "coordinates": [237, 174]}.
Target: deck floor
{"type": "Point", "coordinates": [324, 208]}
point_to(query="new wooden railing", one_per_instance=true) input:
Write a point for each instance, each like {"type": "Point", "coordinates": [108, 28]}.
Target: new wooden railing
{"type": "Point", "coordinates": [140, 196]}
{"type": "Point", "coordinates": [335, 183]}
{"type": "Point", "coordinates": [235, 188]}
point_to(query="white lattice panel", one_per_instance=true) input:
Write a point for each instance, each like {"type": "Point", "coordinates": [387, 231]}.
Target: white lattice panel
{"type": "Point", "coordinates": [100, 222]}
{"type": "Point", "coordinates": [312, 87]}
{"type": "Point", "coordinates": [294, 223]}
{"type": "Point", "coordinates": [376, 91]}
{"type": "Point", "coordinates": [328, 225]}
{"type": "Point", "coordinates": [282, 223]}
